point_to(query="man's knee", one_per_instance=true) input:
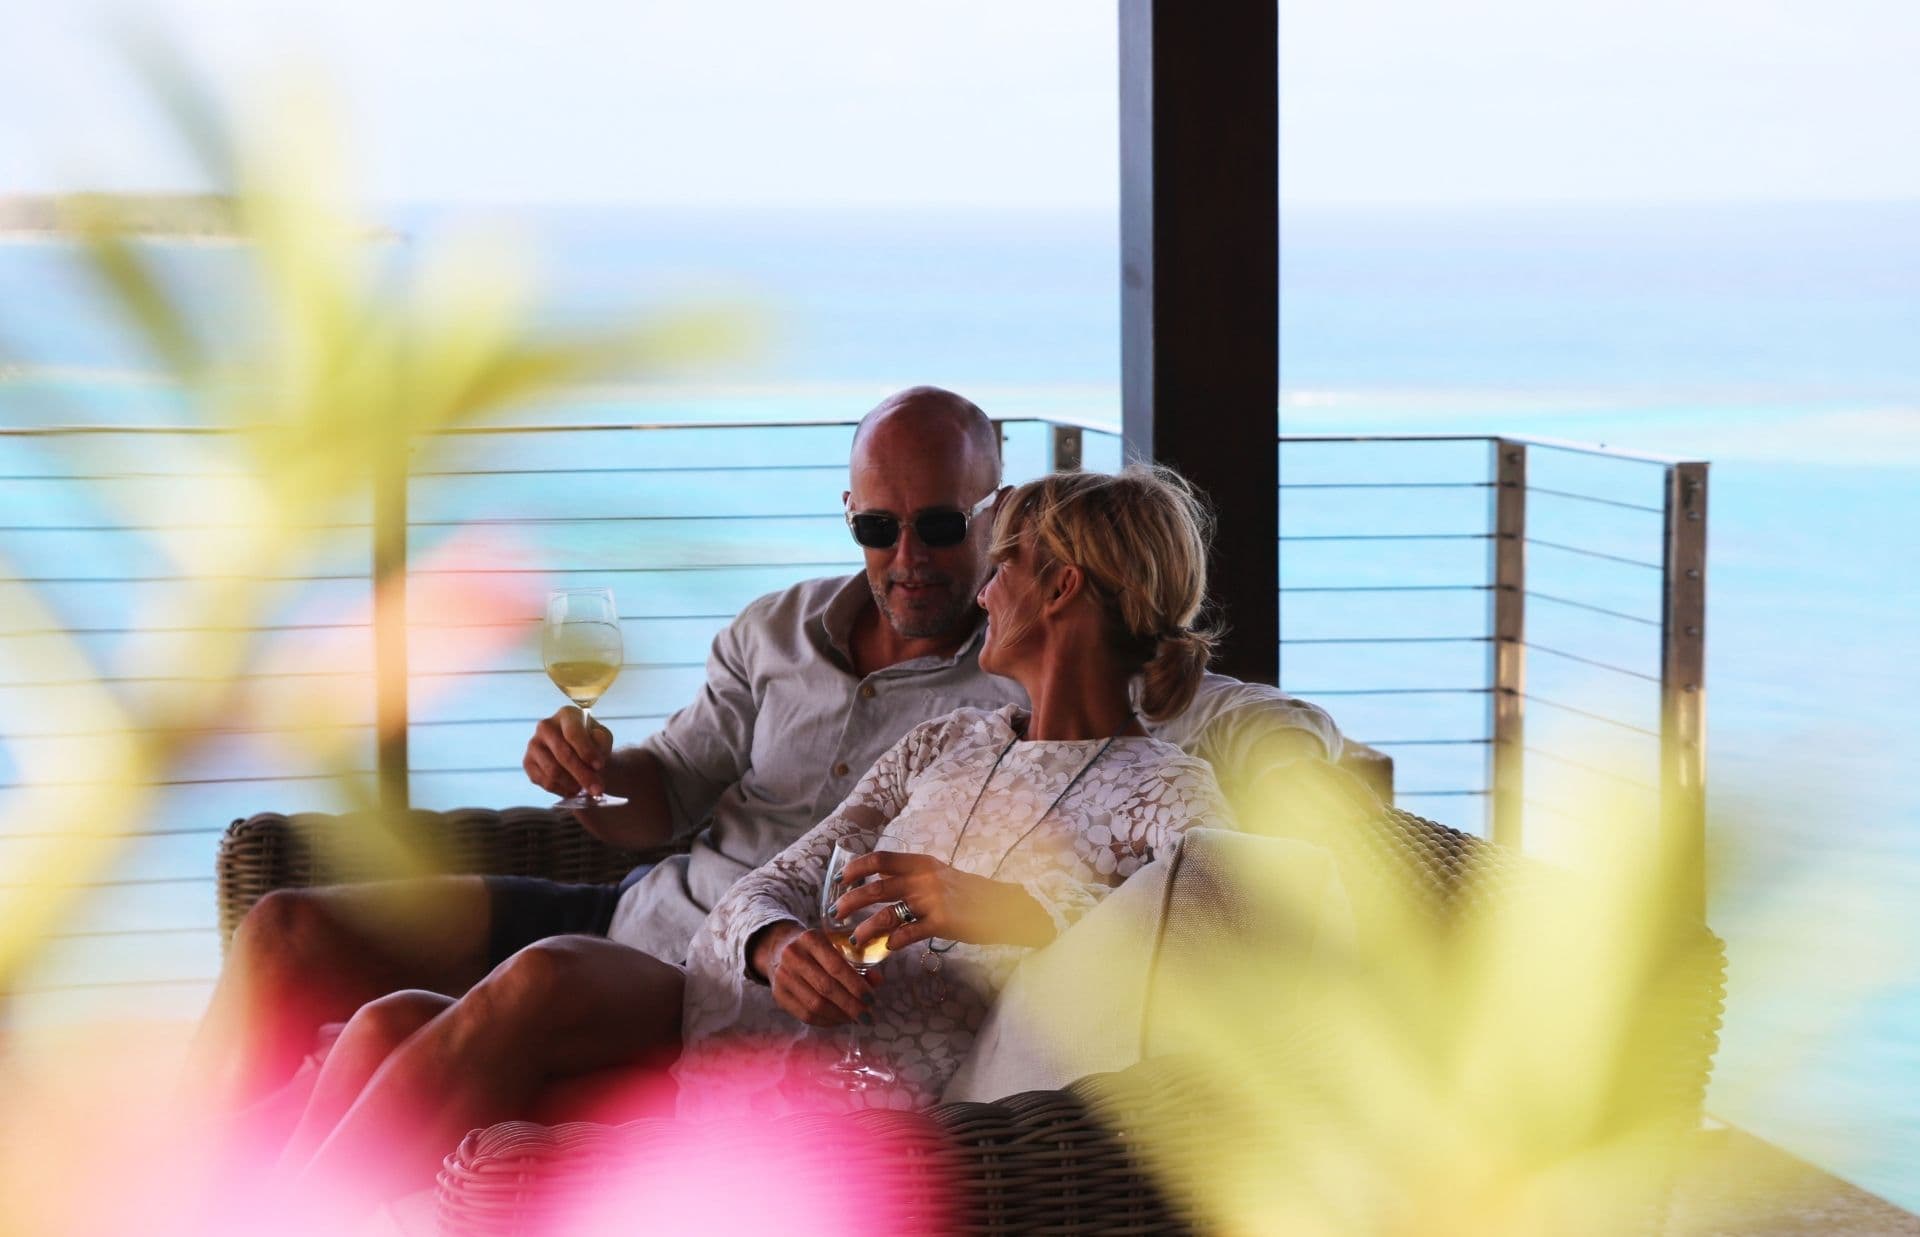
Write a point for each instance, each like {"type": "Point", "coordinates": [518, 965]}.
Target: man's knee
{"type": "Point", "coordinates": [284, 926]}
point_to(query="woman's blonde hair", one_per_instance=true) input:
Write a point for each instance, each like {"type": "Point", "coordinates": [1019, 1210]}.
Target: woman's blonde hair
{"type": "Point", "coordinates": [1140, 539]}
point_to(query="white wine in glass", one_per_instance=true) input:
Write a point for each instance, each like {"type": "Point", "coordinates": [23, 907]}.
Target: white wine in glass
{"type": "Point", "coordinates": [581, 649]}
{"type": "Point", "coordinates": [861, 957]}
{"type": "Point", "coordinates": [854, 1071]}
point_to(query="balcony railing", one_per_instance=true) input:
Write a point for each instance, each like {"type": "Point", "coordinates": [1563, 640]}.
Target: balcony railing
{"type": "Point", "coordinates": [1520, 623]}
{"type": "Point", "coordinates": [1556, 646]}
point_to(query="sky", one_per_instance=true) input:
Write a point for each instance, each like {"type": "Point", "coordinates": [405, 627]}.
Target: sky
{"type": "Point", "coordinates": [993, 103]}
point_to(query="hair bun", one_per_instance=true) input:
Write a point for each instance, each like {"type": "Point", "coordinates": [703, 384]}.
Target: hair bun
{"type": "Point", "coordinates": [1174, 672]}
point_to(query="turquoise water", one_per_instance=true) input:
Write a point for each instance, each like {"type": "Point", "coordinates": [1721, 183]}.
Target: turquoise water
{"type": "Point", "coordinates": [1776, 342]}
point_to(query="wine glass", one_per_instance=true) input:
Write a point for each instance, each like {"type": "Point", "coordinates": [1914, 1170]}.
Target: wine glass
{"type": "Point", "coordinates": [853, 1071]}
{"type": "Point", "coordinates": [580, 647]}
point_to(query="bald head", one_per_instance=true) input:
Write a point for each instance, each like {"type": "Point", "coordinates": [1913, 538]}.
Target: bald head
{"type": "Point", "coordinates": [925, 450]}
{"type": "Point", "coordinates": [934, 423]}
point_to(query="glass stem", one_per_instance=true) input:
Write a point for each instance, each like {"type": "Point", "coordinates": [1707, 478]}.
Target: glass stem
{"type": "Point", "coordinates": [853, 1054]}
{"type": "Point", "coordinates": [586, 712]}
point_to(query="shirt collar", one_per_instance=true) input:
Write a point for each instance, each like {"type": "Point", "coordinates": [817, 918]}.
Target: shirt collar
{"type": "Point", "coordinates": [836, 624]}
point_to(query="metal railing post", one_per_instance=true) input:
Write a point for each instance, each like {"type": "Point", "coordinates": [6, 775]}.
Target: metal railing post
{"type": "Point", "coordinates": [1508, 651]}
{"type": "Point", "coordinates": [390, 621]}
{"type": "Point", "coordinates": [1066, 448]}
{"type": "Point", "coordinates": [1683, 686]}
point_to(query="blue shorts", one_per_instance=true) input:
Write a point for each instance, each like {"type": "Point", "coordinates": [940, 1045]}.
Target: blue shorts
{"type": "Point", "coordinates": [525, 909]}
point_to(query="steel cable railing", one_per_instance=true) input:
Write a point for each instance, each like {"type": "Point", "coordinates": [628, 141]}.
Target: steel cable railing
{"type": "Point", "coordinates": [1392, 618]}
{"type": "Point", "coordinates": [1551, 655]}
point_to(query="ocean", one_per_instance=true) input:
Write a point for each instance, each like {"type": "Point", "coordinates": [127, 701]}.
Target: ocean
{"type": "Point", "coordinates": [1777, 342]}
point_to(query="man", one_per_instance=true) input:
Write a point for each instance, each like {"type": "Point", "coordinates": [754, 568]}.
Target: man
{"type": "Point", "coordinates": [805, 689]}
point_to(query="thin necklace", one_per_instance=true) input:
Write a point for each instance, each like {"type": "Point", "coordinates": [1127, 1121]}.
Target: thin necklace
{"type": "Point", "coordinates": [933, 988]}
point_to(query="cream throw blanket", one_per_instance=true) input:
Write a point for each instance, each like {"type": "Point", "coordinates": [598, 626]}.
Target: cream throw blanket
{"type": "Point", "coordinates": [1124, 984]}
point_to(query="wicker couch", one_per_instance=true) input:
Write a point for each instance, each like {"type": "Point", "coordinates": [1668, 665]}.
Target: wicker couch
{"type": "Point", "coordinates": [1058, 1161]}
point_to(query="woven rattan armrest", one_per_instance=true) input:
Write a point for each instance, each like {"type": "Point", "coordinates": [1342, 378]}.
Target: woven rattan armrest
{"type": "Point", "coordinates": [270, 851]}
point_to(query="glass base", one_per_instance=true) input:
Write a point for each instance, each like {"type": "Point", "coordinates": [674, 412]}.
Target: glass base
{"type": "Point", "coordinates": [855, 1075]}
{"type": "Point", "coordinates": [584, 800]}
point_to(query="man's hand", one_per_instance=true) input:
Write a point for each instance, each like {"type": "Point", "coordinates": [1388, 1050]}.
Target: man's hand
{"type": "Point", "coordinates": [946, 902]}
{"type": "Point", "coordinates": [565, 758]}
{"type": "Point", "coordinates": [810, 979]}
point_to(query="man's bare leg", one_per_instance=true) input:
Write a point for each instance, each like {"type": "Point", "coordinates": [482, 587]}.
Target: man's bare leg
{"type": "Point", "coordinates": [560, 1007]}
{"type": "Point", "coordinates": [304, 958]}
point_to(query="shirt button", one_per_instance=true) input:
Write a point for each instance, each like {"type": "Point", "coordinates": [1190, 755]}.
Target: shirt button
{"type": "Point", "coordinates": [867, 691]}
{"type": "Point", "coordinates": [840, 770]}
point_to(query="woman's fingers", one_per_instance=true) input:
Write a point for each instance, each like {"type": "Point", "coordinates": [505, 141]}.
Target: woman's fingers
{"type": "Point", "coordinates": [873, 893]}
{"type": "Point", "coordinates": [887, 918]}
{"type": "Point", "coordinates": [902, 936]}
{"type": "Point", "coordinates": [886, 863]}
{"type": "Point", "coordinates": [815, 984]}
{"type": "Point", "coordinates": [797, 991]}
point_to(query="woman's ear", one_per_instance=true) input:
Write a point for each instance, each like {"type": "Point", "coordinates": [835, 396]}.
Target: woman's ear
{"type": "Point", "coordinates": [1065, 588]}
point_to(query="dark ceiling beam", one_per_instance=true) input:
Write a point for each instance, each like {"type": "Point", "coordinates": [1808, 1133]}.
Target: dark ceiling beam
{"type": "Point", "coordinates": [1200, 295]}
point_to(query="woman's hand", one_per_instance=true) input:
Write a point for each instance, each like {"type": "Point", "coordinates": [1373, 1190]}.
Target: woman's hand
{"type": "Point", "coordinates": [809, 978]}
{"type": "Point", "coordinates": [945, 902]}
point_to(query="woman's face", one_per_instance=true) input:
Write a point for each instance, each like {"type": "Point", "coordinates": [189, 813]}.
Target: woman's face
{"type": "Point", "coordinates": [1011, 601]}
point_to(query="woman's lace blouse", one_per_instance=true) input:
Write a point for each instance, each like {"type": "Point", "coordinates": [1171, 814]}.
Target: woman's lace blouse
{"type": "Point", "coordinates": [741, 1051]}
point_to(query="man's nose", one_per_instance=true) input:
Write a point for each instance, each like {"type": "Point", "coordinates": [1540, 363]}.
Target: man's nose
{"type": "Point", "coordinates": [909, 547]}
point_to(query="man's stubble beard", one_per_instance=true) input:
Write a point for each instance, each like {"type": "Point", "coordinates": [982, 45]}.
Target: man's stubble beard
{"type": "Point", "coordinates": [917, 627]}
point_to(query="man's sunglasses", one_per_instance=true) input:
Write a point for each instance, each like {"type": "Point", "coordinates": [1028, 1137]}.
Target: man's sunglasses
{"type": "Point", "coordinates": [937, 528]}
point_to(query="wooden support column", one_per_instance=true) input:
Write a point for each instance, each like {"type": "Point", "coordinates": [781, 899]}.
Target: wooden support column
{"type": "Point", "coordinates": [1506, 784]}
{"type": "Point", "coordinates": [390, 621]}
{"type": "Point", "coordinates": [1200, 285]}
{"type": "Point", "coordinates": [1683, 688]}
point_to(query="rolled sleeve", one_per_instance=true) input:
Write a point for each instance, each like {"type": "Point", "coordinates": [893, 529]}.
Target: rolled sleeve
{"type": "Point", "coordinates": [1239, 727]}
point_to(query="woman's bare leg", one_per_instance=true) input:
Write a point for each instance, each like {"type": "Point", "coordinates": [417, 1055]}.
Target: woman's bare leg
{"type": "Point", "coordinates": [373, 1034]}
{"type": "Point", "coordinates": [559, 1007]}
{"type": "Point", "coordinates": [266, 1123]}
{"type": "Point", "coordinates": [303, 958]}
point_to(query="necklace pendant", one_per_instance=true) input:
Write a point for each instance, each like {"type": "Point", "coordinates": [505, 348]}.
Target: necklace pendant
{"type": "Point", "coordinates": [931, 990]}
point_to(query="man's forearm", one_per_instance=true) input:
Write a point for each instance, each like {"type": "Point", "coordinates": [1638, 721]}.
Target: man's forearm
{"type": "Point", "coordinates": [644, 821]}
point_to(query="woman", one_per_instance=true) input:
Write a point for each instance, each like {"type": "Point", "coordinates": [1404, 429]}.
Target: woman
{"type": "Point", "coordinates": [994, 831]}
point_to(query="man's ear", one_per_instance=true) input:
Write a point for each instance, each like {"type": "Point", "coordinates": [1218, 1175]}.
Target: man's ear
{"type": "Point", "coordinates": [846, 496]}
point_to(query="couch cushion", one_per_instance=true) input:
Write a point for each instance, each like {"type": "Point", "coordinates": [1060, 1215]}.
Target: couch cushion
{"type": "Point", "coordinates": [1118, 987]}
